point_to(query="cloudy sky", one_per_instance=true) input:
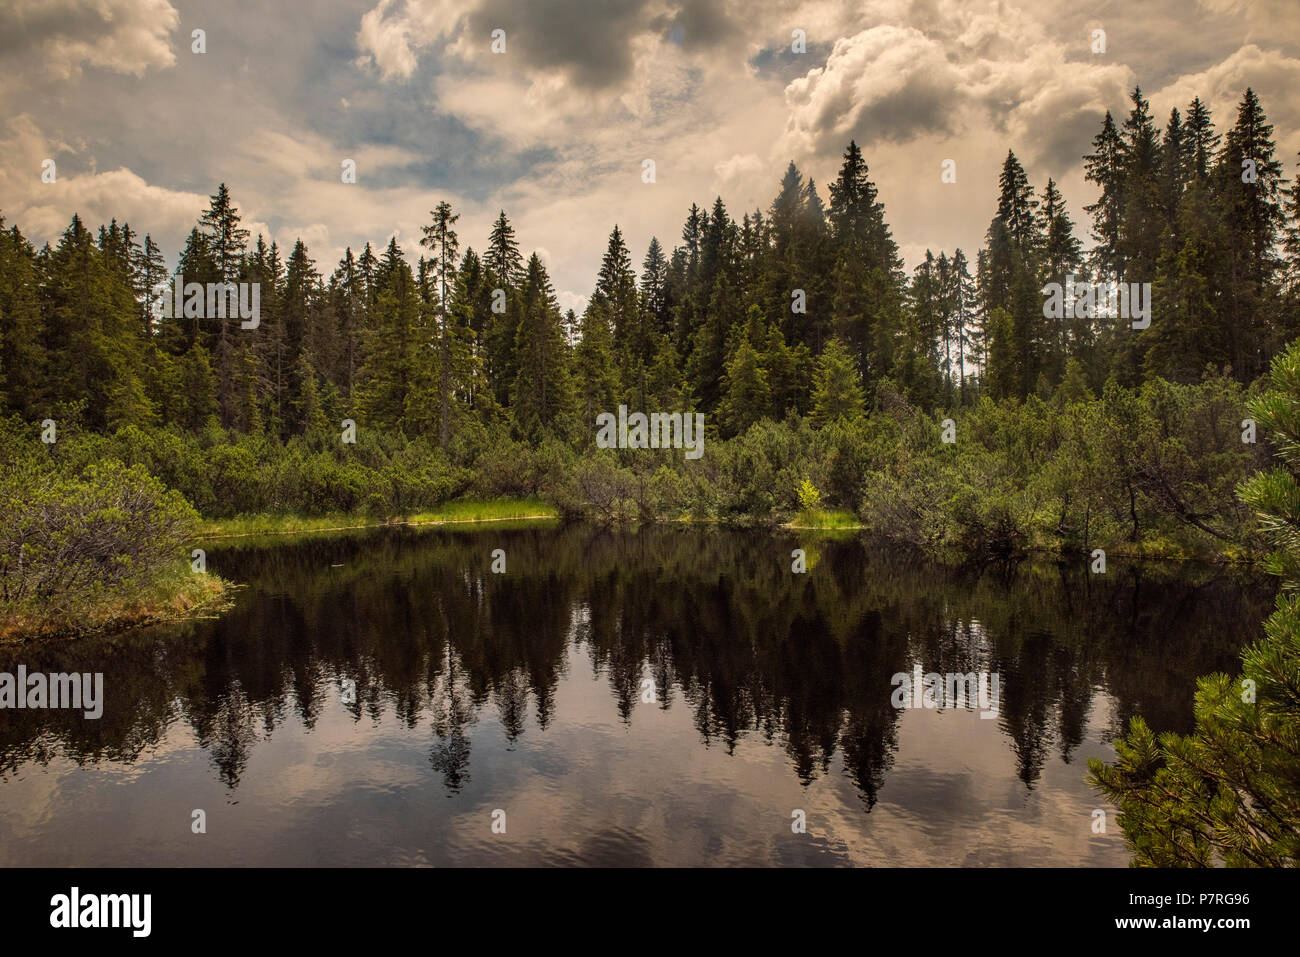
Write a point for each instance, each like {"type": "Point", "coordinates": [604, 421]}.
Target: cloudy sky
{"type": "Point", "coordinates": [555, 129]}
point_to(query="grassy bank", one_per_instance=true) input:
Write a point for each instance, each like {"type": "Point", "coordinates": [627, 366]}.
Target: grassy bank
{"type": "Point", "coordinates": [98, 549]}
{"type": "Point", "coordinates": [835, 520]}
{"type": "Point", "coordinates": [178, 594]}
{"type": "Point", "coordinates": [465, 511]}
{"type": "Point", "coordinates": [495, 510]}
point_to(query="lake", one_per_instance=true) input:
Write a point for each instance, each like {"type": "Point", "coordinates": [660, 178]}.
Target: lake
{"type": "Point", "coordinates": [656, 696]}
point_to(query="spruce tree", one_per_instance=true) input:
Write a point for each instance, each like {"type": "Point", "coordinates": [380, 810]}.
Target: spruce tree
{"type": "Point", "coordinates": [150, 271]}
{"type": "Point", "coordinates": [597, 377]}
{"type": "Point", "coordinates": [472, 307]}
{"type": "Point", "coordinates": [1105, 167]}
{"type": "Point", "coordinates": [264, 373]}
{"type": "Point", "coordinates": [95, 352]}
{"type": "Point", "coordinates": [782, 273]}
{"type": "Point", "coordinates": [226, 238]}
{"type": "Point", "coordinates": [1225, 794]}
{"type": "Point", "coordinates": [1062, 257]}
{"type": "Point", "coordinates": [1144, 222]}
{"type": "Point", "coordinates": [503, 259]}
{"type": "Point", "coordinates": [22, 354]}
{"type": "Point", "coordinates": [690, 300]}
{"type": "Point", "coordinates": [298, 301]}
{"type": "Point", "coordinates": [926, 298]}
{"type": "Point", "coordinates": [1175, 350]}
{"type": "Point", "coordinates": [617, 294]}
{"type": "Point", "coordinates": [196, 401]}
{"type": "Point", "coordinates": [964, 323]}
{"type": "Point", "coordinates": [1017, 206]}
{"type": "Point", "coordinates": [654, 288]}
{"type": "Point", "coordinates": [787, 367]}
{"type": "Point", "coordinates": [441, 238]}
{"type": "Point", "coordinates": [543, 393]}
{"type": "Point", "coordinates": [196, 265]}
{"type": "Point", "coordinates": [1291, 235]}
{"type": "Point", "coordinates": [1253, 209]}
{"type": "Point", "coordinates": [397, 370]}
{"type": "Point", "coordinates": [1249, 191]}
{"type": "Point", "coordinates": [1203, 141]}
{"type": "Point", "coordinates": [348, 292]}
{"type": "Point", "coordinates": [1009, 282]}
{"type": "Point", "coordinates": [837, 387]}
{"type": "Point", "coordinates": [707, 365]}
{"type": "Point", "coordinates": [816, 259]}
{"type": "Point", "coordinates": [866, 287]}
{"type": "Point", "coordinates": [368, 265]}
{"type": "Point", "coordinates": [746, 392]}
{"type": "Point", "coordinates": [1175, 167]}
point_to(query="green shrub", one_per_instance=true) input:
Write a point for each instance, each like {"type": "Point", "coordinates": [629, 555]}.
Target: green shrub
{"type": "Point", "coordinates": [71, 544]}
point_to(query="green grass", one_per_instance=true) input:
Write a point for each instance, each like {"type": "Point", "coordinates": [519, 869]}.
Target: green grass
{"type": "Point", "coordinates": [467, 510]}
{"type": "Point", "coordinates": [264, 524]}
{"type": "Point", "coordinates": [175, 595]}
{"type": "Point", "coordinates": [833, 520]}
{"type": "Point", "coordinates": [496, 510]}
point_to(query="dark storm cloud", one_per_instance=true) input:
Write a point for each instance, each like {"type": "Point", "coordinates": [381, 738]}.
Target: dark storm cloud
{"type": "Point", "coordinates": [918, 108]}
{"type": "Point", "coordinates": [592, 44]}
{"type": "Point", "coordinates": [60, 36]}
{"type": "Point", "coordinates": [31, 29]}
{"type": "Point", "coordinates": [587, 89]}
{"type": "Point", "coordinates": [698, 25]}
{"type": "Point", "coordinates": [883, 85]}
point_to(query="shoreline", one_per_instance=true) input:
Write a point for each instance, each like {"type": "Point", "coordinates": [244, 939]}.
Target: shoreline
{"type": "Point", "coordinates": [287, 525]}
{"type": "Point", "coordinates": [189, 603]}
{"type": "Point", "coordinates": [215, 536]}
{"type": "Point", "coordinates": [183, 604]}
{"type": "Point", "coordinates": [465, 512]}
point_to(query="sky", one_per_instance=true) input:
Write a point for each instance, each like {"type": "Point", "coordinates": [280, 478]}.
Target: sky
{"type": "Point", "coordinates": [555, 129]}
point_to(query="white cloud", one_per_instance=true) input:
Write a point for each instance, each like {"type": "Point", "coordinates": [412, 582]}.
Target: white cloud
{"type": "Point", "coordinates": [890, 80]}
{"type": "Point", "coordinates": [392, 34]}
{"type": "Point", "coordinates": [892, 84]}
{"type": "Point", "coordinates": [126, 36]}
{"type": "Point", "coordinates": [316, 237]}
{"type": "Point", "coordinates": [299, 154]}
{"type": "Point", "coordinates": [43, 210]}
{"type": "Point", "coordinates": [740, 166]}
{"type": "Point", "coordinates": [721, 112]}
{"type": "Point", "coordinates": [571, 300]}
{"type": "Point", "coordinates": [1272, 74]}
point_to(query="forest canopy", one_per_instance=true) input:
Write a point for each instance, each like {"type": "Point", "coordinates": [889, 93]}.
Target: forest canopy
{"type": "Point", "coordinates": [795, 330]}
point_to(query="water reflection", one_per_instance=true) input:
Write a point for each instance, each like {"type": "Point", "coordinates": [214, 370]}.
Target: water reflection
{"type": "Point", "coordinates": [747, 660]}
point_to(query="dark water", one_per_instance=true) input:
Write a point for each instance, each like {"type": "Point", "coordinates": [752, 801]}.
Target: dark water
{"type": "Point", "coordinates": [522, 692]}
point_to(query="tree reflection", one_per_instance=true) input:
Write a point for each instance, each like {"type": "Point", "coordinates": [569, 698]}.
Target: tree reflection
{"type": "Point", "coordinates": [715, 618]}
